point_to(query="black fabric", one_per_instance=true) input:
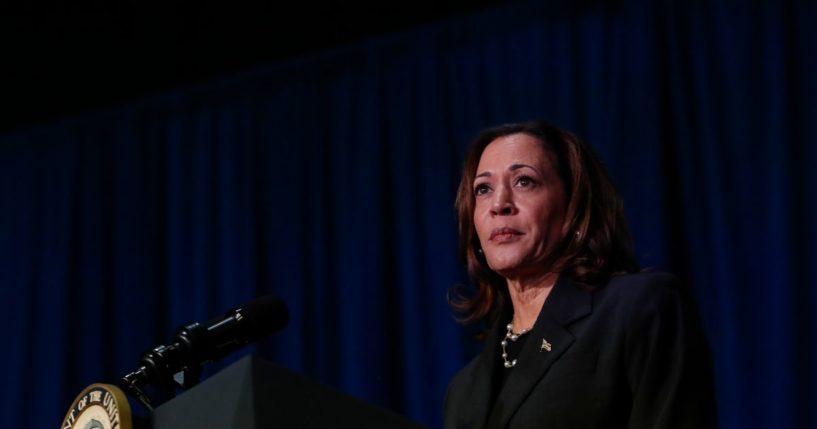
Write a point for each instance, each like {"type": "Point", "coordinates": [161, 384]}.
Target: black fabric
{"type": "Point", "coordinates": [631, 354]}
{"type": "Point", "coordinates": [501, 374]}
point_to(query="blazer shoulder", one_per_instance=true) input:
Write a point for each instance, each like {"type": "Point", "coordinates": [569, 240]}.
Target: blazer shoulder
{"type": "Point", "coordinates": [644, 294]}
{"type": "Point", "coordinates": [650, 278]}
{"type": "Point", "coordinates": [461, 379]}
{"type": "Point", "coordinates": [458, 389]}
{"type": "Point", "coordinates": [644, 285]}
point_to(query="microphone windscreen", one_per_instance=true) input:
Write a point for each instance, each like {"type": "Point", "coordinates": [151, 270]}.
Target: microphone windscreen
{"type": "Point", "coordinates": [264, 316]}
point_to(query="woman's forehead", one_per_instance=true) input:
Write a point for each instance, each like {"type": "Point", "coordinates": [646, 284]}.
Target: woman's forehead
{"type": "Point", "coordinates": [506, 151]}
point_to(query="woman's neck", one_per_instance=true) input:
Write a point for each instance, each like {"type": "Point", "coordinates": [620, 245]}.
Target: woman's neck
{"type": "Point", "coordinates": [528, 295]}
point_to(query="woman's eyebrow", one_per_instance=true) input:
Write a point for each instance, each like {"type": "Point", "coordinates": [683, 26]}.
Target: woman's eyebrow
{"type": "Point", "coordinates": [518, 166]}
{"type": "Point", "coordinates": [512, 167]}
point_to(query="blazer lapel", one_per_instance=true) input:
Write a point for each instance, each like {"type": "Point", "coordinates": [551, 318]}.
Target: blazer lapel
{"type": "Point", "coordinates": [565, 304]}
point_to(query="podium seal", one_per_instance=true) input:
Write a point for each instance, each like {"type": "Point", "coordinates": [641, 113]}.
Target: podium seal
{"type": "Point", "coordinates": [99, 406]}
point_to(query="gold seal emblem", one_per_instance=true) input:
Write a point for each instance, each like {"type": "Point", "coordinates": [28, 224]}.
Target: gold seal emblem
{"type": "Point", "coordinates": [99, 406]}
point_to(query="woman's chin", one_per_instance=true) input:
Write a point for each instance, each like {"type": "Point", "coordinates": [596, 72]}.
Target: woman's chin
{"type": "Point", "coordinates": [505, 268]}
{"type": "Point", "coordinates": [518, 268]}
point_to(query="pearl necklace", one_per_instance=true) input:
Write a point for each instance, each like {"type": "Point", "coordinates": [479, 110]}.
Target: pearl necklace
{"type": "Point", "coordinates": [513, 336]}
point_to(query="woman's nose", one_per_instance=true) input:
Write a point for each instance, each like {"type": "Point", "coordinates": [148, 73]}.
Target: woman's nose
{"type": "Point", "coordinates": [503, 203]}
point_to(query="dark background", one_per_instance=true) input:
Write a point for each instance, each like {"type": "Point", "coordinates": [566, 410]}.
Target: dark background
{"type": "Point", "coordinates": [163, 162]}
{"type": "Point", "coordinates": [77, 56]}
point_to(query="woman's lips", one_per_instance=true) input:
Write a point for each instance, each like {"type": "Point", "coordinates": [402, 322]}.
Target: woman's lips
{"type": "Point", "coordinates": [504, 234]}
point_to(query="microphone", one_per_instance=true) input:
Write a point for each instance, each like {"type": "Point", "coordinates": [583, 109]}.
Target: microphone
{"type": "Point", "coordinates": [197, 343]}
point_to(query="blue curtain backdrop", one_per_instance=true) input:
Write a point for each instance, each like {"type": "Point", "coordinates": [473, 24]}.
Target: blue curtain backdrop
{"type": "Point", "coordinates": [330, 181]}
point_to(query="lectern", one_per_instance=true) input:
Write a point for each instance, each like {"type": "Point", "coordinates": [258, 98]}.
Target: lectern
{"type": "Point", "coordinates": [253, 393]}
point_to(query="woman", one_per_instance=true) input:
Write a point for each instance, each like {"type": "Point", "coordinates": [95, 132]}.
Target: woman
{"type": "Point", "coordinates": [580, 338]}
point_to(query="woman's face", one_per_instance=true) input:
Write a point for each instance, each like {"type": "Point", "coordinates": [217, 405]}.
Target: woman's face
{"type": "Point", "coordinates": [519, 205]}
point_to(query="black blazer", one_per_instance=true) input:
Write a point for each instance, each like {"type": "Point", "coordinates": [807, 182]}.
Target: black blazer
{"type": "Point", "coordinates": [629, 354]}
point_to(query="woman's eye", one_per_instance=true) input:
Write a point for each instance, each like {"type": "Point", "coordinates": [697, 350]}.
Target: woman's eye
{"type": "Point", "coordinates": [524, 181]}
{"type": "Point", "coordinates": [481, 189]}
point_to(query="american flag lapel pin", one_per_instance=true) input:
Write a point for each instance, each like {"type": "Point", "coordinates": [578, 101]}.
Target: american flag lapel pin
{"type": "Point", "coordinates": [546, 346]}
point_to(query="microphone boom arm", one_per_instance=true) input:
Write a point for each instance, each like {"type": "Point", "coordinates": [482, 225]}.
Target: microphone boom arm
{"type": "Point", "coordinates": [180, 363]}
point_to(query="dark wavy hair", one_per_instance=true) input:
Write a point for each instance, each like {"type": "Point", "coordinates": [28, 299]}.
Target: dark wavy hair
{"type": "Point", "coordinates": [596, 241]}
